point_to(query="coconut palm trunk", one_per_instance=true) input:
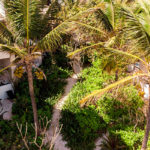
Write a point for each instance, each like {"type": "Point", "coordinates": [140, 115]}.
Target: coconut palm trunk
{"type": "Point", "coordinates": [147, 130]}
{"type": "Point", "coordinates": [32, 96]}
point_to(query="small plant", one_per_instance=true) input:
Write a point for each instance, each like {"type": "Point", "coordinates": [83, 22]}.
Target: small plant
{"type": "Point", "coordinates": [38, 142]}
{"type": "Point", "coordinates": [112, 142]}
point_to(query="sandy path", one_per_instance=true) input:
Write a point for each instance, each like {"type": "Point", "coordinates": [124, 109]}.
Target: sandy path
{"type": "Point", "coordinates": [99, 141]}
{"type": "Point", "coordinates": [59, 144]}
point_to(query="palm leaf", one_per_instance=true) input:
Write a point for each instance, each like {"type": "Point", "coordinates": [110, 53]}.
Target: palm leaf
{"type": "Point", "coordinates": [70, 55]}
{"type": "Point", "coordinates": [52, 10]}
{"type": "Point", "coordinates": [54, 37]}
{"type": "Point", "coordinates": [27, 21]}
{"type": "Point", "coordinates": [104, 46]}
{"type": "Point", "coordinates": [12, 50]}
{"type": "Point", "coordinates": [25, 18]}
{"type": "Point", "coordinates": [135, 32]}
{"type": "Point", "coordinates": [125, 53]}
{"type": "Point", "coordinates": [90, 27]}
{"type": "Point", "coordinates": [86, 12]}
{"type": "Point", "coordinates": [5, 68]}
{"type": "Point", "coordinates": [5, 34]}
{"type": "Point", "coordinates": [109, 87]}
{"type": "Point", "coordinates": [103, 19]}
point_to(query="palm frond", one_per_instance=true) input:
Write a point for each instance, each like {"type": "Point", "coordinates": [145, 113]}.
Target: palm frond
{"type": "Point", "coordinates": [15, 62]}
{"type": "Point", "coordinates": [25, 17]}
{"type": "Point", "coordinates": [70, 55]}
{"type": "Point", "coordinates": [112, 11]}
{"type": "Point", "coordinates": [51, 13]}
{"type": "Point", "coordinates": [52, 10]}
{"type": "Point", "coordinates": [86, 12]}
{"type": "Point", "coordinates": [125, 53]}
{"type": "Point", "coordinates": [27, 21]}
{"type": "Point", "coordinates": [5, 68]}
{"type": "Point", "coordinates": [105, 47]}
{"type": "Point", "coordinates": [135, 32]}
{"type": "Point", "coordinates": [12, 50]}
{"type": "Point", "coordinates": [5, 34]}
{"type": "Point", "coordinates": [54, 37]}
{"type": "Point", "coordinates": [83, 25]}
{"type": "Point", "coordinates": [100, 92]}
{"type": "Point", "coordinates": [103, 19]}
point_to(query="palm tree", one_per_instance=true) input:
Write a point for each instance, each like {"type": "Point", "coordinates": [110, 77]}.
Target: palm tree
{"type": "Point", "coordinates": [26, 31]}
{"type": "Point", "coordinates": [136, 38]}
{"type": "Point", "coordinates": [106, 26]}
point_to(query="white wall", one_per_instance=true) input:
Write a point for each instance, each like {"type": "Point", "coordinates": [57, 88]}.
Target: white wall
{"type": "Point", "coordinates": [2, 12]}
{"type": "Point", "coordinates": [4, 89]}
{"type": "Point", "coordinates": [4, 55]}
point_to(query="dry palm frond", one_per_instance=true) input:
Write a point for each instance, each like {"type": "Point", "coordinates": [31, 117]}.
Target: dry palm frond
{"type": "Point", "coordinates": [135, 32]}
{"type": "Point", "coordinates": [70, 55]}
{"type": "Point", "coordinates": [12, 50]}
{"type": "Point", "coordinates": [5, 34]}
{"type": "Point", "coordinates": [99, 93]}
{"type": "Point", "coordinates": [54, 37]}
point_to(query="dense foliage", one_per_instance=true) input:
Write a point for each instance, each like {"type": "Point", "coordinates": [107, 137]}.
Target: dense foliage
{"type": "Point", "coordinates": [115, 114]}
{"type": "Point", "coordinates": [112, 28]}
{"type": "Point", "coordinates": [47, 94]}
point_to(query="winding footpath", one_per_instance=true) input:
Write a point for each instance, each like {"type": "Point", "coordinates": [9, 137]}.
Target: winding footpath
{"type": "Point", "coordinates": [59, 144]}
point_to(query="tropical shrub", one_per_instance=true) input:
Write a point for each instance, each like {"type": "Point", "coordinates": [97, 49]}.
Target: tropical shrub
{"type": "Point", "coordinates": [112, 112]}
{"type": "Point", "coordinates": [84, 124]}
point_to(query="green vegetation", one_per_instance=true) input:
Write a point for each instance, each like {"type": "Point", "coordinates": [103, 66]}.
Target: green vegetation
{"type": "Point", "coordinates": [112, 34]}
{"type": "Point", "coordinates": [120, 115]}
{"type": "Point", "coordinates": [22, 110]}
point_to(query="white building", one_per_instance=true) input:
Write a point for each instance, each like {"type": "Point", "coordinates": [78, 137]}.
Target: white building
{"type": "Point", "coordinates": [5, 59]}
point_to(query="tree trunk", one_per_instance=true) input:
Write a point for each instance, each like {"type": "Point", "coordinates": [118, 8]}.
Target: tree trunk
{"type": "Point", "coordinates": [32, 96]}
{"type": "Point", "coordinates": [147, 130]}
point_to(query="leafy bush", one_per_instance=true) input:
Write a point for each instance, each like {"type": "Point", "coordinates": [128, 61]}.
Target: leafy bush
{"type": "Point", "coordinates": [80, 129]}
{"type": "Point", "coordinates": [126, 109]}
{"type": "Point", "coordinates": [131, 136]}
{"type": "Point", "coordinates": [81, 126]}
{"type": "Point", "coordinates": [113, 113]}
{"type": "Point", "coordinates": [124, 117]}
